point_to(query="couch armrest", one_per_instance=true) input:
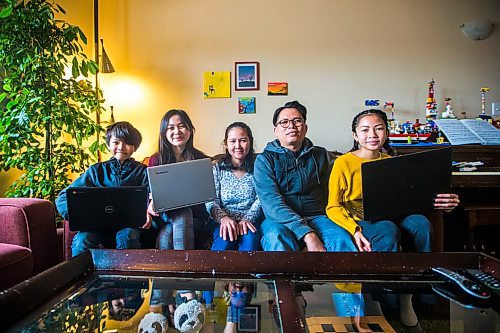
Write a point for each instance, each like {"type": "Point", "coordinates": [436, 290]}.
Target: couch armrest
{"type": "Point", "coordinates": [31, 223]}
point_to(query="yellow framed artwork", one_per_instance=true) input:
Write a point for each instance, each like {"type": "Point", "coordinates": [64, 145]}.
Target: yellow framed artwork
{"type": "Point", "coordinates": [216, 84]}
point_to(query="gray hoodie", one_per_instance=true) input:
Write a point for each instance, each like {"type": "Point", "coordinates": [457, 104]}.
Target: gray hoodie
{"type": "Point", "coordinates": [292, 186]}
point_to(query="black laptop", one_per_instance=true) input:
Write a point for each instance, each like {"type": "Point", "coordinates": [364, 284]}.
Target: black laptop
{"type": "Point", "coordinates": [404, 185]}
{"type": "Point", "coordinates": [106, 208]}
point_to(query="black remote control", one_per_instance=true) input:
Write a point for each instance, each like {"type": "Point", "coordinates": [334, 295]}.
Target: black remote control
{"type": "Point", "coordinates": [491, 283]}
{"type": "Point", "coordinates": [470, 287]}
{"type": "Point", "coordinates": [455, 294]}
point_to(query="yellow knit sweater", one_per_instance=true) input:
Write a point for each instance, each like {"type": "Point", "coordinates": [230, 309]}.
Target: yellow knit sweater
{"type": "Point", "coordinates": [345, 186]}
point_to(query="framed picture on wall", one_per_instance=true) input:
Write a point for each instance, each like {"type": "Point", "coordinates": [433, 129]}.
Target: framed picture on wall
{"type": "Point", "coordinates": [249, 319]}
{"type": "Point", "coordinates": [246, 105]}
{"type": "Point", "coordinates": [246, 75]}
{"type": "Point", "coordinates": [216, 84]}
{"type": "Point", "coordinates": [277, 88]}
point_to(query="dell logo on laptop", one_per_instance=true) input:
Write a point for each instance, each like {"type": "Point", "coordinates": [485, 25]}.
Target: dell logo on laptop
{"type": "Point", "coordinates": [109, 209]}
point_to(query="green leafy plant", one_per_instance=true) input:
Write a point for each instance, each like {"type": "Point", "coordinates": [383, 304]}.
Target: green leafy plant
{"type": "Point", "coordinates": [47, 117]}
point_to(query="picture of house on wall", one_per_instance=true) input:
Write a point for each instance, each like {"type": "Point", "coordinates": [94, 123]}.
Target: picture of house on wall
{"type": "Point", "coordinates": [216, 84]}
{"type": "Point", "coordinates": [277, 88]}
{"type": "Point", "coordinates": [246, 105]}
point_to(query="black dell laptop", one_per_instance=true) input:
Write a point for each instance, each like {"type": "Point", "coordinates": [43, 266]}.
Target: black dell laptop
{"type": "Point", "coordinates": [404, 185]}
{"type": "Point", "coordinates": [106, 208]}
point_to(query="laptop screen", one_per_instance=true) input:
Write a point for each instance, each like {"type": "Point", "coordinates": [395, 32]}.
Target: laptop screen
{"type": "Point", "coordinates": [181, 184]}
{"type": "Point", "coordinates": [404, 185]}
{"type": "Point", "coordinates": [106, 208]}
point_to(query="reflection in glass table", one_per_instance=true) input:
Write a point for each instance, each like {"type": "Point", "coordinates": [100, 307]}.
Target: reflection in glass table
{"type": "Point", "coordinates": [209, 291]}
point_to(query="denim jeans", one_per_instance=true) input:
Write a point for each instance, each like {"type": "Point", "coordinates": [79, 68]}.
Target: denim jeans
{"type": "Point", "coordinates": [248, 242]}
{"type": "Point", "coordinates": [413, 232]}
{"type": "Point", "coordinates": [127, 238]}
{"type": "Point", "coordinates": [176, 230]}
{"type": "Point", "coordinates": [277, 237]}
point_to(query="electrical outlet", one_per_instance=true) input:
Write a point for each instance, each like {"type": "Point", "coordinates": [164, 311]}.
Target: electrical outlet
{"type": "Point", "coordinates": [495, 109]}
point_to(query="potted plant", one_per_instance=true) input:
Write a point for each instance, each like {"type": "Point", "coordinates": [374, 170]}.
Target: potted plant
{"type": "Point", "coordinates": [47, 117]}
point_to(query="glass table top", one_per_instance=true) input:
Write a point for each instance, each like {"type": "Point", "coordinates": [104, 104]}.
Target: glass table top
{"type": "Point", "coordinates": [399, 306]}
{"type": "Point", "coordinates": [115, 303]}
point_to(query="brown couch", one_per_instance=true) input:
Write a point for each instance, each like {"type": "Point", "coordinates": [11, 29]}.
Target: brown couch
{"type": "Point", "coordinates": [28, 239]}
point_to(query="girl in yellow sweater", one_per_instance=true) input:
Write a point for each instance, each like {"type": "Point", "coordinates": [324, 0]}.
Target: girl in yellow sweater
{"type": "Point", "coordinates": [370, 133]}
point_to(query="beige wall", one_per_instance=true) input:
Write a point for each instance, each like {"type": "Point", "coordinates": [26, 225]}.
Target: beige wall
{"type": "Point", "coordinates": [333, 53]}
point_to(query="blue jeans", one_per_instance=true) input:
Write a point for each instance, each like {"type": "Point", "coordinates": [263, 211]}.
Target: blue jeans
{"type": "Point", "coordinates": [176, 230]}
{"type": "Point", "coordinates": [127, 238]}
{"type": "Point", "coordinates": [277, 237]}
{"type": "Point", "coordinates": [248, 242]}
{"type": "Point", "coordinates": [385, 236]}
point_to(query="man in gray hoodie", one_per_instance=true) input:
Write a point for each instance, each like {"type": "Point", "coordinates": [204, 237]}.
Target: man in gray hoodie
{"type": "Point", "coordinates": [291, 180]}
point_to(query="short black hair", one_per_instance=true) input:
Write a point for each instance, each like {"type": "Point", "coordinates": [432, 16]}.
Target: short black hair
{"type": "Point", "coordinates": [124, 130]}
{"type": "Point", "coordinates": [290, 105]}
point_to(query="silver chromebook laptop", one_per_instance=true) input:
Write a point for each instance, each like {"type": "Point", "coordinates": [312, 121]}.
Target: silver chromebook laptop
{"type": "Point", "coordinates": [181, 184]}
{"type": "Point", "coordinates": [106, 208]}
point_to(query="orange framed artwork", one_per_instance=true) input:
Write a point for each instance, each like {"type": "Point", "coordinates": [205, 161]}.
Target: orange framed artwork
{"type": "Point", "coordinates": [277, 88]}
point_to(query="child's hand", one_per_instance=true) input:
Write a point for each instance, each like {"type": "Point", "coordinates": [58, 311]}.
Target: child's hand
{"type": "Point", "coordinates": [244, 226]}
{"type": "Point", "coordinates": [228, 229]}
{"type": "Point", "coordinates": [362, 243]}
{"type": "Point", "coordinates": [446, 201]}
{"type": "Point", "coordinates": [151, 209]}
{"type": "Point", "coordinates": [149, 221]}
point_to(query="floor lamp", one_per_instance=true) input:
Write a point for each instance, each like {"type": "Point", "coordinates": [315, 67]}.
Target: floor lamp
{"type": "Point", "coordinates": [105, 66]}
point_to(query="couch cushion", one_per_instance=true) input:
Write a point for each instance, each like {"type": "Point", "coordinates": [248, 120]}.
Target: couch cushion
{"type": "Point", "coordinates": [16, 264]}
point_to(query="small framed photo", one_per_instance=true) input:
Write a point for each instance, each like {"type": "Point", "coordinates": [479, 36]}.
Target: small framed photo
{"type": "Point", "coordinates": [246, 75]}
{"type": "Point", "coordinates": [277, 88]}
{"type": "Point", "coordinates": [246, 105]}
{"type": "Point", "coordinates": [249, 320]}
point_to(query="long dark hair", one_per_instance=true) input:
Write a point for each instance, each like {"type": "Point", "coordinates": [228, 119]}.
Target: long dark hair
{"type": "Point", "coordinates": [383, 116]}
{"type": "Point", "coordinates": [225, 162]}
{"type": "Point", "coordinates": [165, 151]}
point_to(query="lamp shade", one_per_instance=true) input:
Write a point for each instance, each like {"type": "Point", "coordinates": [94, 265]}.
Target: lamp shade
{"type": "Point", "coordinates": [105, 65]}
{"type": "Point", "coordinates": [477, 29]}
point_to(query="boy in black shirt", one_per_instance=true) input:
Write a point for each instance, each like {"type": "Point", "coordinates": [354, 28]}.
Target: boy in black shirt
{"type": "Point", "coordinates": [122, 140]}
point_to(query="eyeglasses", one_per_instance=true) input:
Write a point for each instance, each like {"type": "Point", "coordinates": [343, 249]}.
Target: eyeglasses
{"type": "Point", "coordinates": [285, 123]}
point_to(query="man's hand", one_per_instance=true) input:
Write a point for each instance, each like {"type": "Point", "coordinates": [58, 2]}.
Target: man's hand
{"type": "Point", "coordinates": [228, 229]}
{"type": "Point", "coordinates": [313, 243]}
{"type": "Point", "coordinates": [362, 243]}
{"type": "Point", "coordinates": [244, 226]}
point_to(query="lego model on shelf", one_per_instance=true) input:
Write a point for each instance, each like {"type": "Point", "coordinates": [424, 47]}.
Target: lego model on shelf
{"type": "Point", "coordinates": [431, 106]}
{"type": "Point", "coordinates": [410, 132]}
{"type": "Point", "coordinates": [483, 115]}
{"type": "Point", "coordinates": [389, 107]}
{"type": "Point", "coordinates": [448, 111]}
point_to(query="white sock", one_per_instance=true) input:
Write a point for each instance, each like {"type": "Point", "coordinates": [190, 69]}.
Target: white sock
{"type": "Point", "coordinates": [406, 312]}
